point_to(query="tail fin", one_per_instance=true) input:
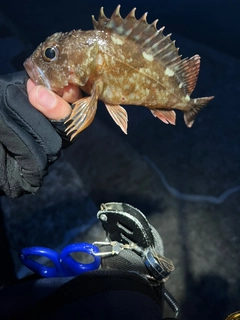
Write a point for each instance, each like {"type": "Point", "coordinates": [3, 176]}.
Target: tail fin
{"type": "Point", "coordinates": [197, 105]}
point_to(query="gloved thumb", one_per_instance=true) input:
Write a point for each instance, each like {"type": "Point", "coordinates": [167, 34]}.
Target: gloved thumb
{"type": "Point", "coordinates": [47, 102]}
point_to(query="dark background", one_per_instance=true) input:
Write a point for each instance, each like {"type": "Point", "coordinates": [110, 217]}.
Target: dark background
{"type": "Point", "coordinates": [213, 22]}
{"type": "Point", "coordinates": [201, 236]}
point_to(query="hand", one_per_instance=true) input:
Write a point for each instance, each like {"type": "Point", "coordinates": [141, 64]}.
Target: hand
{"type": "Point", "coordinates": [29, 142]}
{"type": "Point", "coordinates": [50, 104]}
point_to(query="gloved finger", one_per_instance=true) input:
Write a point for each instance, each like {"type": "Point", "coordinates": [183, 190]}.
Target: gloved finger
{"type": "Point", "coordinates": [27, 122]}
{"type": "Point", "coordinates": [48, 103]}
{"type": "Point", "coordinates": [25, 161]}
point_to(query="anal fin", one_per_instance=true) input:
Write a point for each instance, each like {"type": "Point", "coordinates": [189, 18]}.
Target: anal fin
{"type": "Point", "coordinates": [166, 116]}
{"type": "Point", "coordinates": [82, 115]}
{"type": "Point", "coordinates": [119, 115]}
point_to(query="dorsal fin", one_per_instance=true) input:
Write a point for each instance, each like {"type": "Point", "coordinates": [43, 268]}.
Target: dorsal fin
{"type": "Point", "coordinates": [152, 42]}
{"type": "Point", "coordinates": [187, 70]}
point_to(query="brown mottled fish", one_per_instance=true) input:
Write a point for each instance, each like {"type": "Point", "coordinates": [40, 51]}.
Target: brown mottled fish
{"type": "Point", "coordinates": [122, 61]}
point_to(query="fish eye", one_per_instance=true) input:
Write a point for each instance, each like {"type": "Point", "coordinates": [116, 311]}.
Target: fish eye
{"type": "Point", "coordinates": [50, 53]}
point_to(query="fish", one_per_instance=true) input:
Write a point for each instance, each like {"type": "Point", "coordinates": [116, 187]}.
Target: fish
{"type": "Point", "coordinates": [120, 62]}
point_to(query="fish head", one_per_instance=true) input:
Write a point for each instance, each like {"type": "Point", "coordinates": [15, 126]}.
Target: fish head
{"type": "Point", "coordinates": [48, 65]}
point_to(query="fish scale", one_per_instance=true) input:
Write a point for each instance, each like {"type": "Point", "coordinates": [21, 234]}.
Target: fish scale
{"type": "Point", "coordinates": [120, 62]}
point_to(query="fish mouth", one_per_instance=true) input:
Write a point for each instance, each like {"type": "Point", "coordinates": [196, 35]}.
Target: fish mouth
{"type": "Point", "coordinates": [35, 73]}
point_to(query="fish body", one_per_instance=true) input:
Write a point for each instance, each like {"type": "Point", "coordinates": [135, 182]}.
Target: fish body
{"type": "Point", "coordinates": [120, 62]}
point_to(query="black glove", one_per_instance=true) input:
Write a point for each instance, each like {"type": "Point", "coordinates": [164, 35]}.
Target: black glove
{"type": "Point", "coordinates": [29, 142]}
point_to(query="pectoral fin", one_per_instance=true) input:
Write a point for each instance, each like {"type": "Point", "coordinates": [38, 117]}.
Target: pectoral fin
{"type": "Point", "coordinates": [119, 115]}
{"type": "Point", "coordinates": [82, 115]}
{"type": "Point", "coordinates": [167, 116]}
